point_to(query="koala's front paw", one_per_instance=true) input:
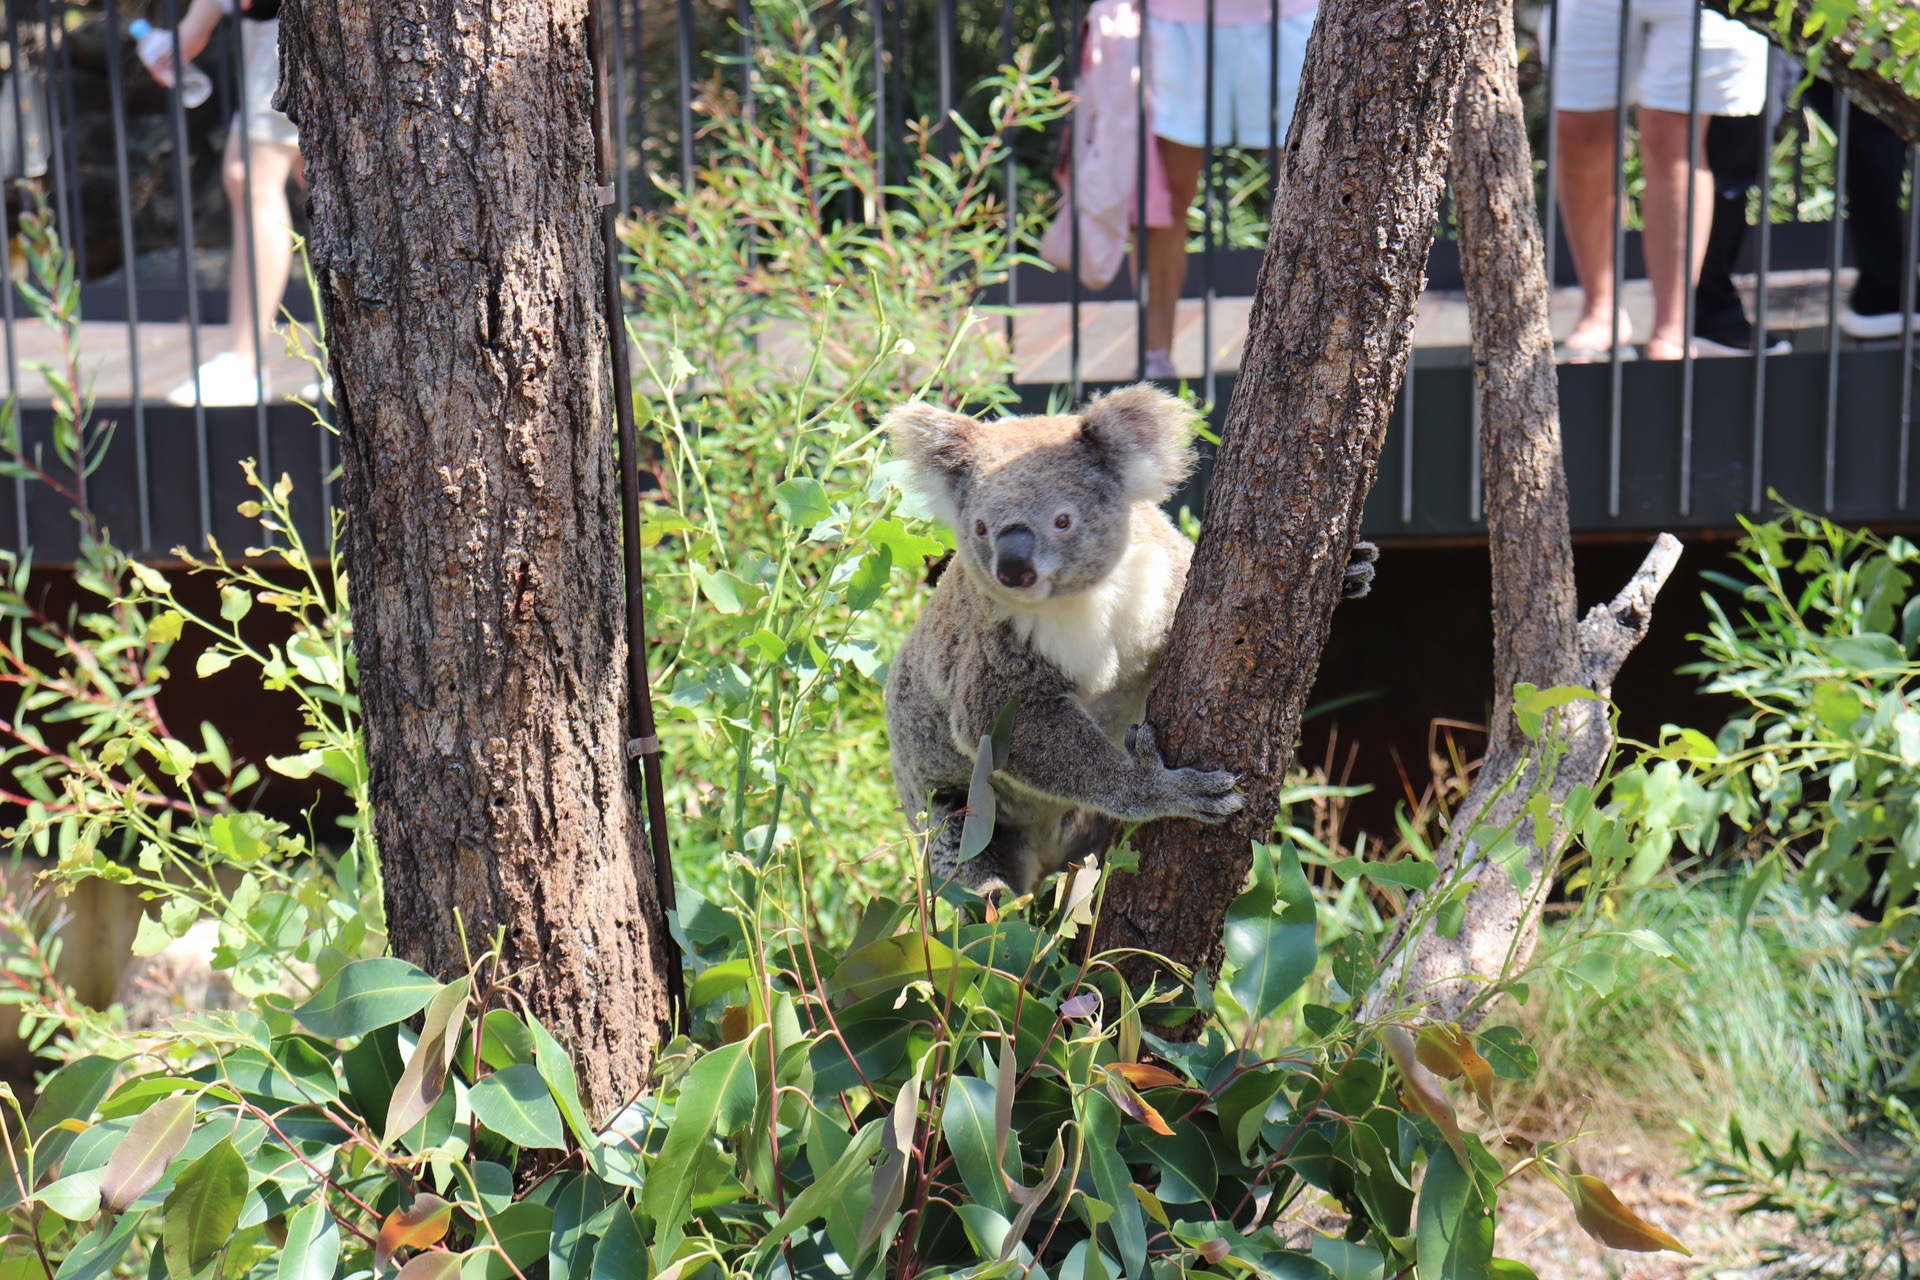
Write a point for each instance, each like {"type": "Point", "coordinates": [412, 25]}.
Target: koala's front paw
{"type": "Point", "coordinates": [1358, 580]}
{"type": "Point", "coordinates": [1207, 795]}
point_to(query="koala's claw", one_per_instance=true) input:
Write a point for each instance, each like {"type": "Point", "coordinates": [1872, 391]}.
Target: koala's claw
{"type": "Point", "coordinates": [1206, 795]}
{"type": "Point", "coordinates": [1358, 579]}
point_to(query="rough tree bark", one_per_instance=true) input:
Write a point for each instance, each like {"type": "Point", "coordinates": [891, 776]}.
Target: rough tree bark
{"type": "Point", "coordinates": [1868, 89]}
{"type": "Point", "coordinates": [450, 154]}
{"type": "Point", "coordinates": [1326, 348]}
{"type": "Point", "coordinates": [1536, 636]}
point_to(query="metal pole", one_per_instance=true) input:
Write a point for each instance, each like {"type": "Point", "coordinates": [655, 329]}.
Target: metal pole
{"type": "Point", "coordinates": [1843, 128]}
{"type": "Point", "coordinates": [117, 98]}
{"type": "Point", "coordinates": [643, 741]}
{"type": "Point", "coordinates": [1691, 277]}
{"type": "Point", "coordinates": [1909, 263]}
{"type": "Point", "coordinates": [183, 189]}
{"type": "Point", "coordinates": [262, 446]}
{"type": "Point", "coordinates": [1757, 483]}
{"type": "Point", "coordinates": [1614, 389]}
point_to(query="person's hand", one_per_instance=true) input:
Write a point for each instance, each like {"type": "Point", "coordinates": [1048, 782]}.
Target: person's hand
{"type": "Point", "coordinates": [162, 66]}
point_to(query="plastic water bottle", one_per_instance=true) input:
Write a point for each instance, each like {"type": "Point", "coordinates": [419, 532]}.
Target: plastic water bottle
{"type": "Point", "coordinates": [195, 87]}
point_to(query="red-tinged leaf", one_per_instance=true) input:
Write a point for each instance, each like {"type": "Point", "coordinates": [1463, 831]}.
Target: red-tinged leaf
{"type": "Point", "coordinates": [1444, 1049]}
{"type": "Point", "coordinates": [421, 1227]}
{"type": "Point", "coordinates": [1602, 1216]}
{"type": "Point", "coordinates": [735, 1022]}
{"type": "Point", "coordinates": [1423, 1093]}
{"type": "Point", "coordinates": [432, 1266]}
{"type": "Point", "coordinates": [143, 1155]}
{"type": "Point", "coordinates": [1144, 1076]}
{"type": "Point", "coordinates": [1214, 1251]}
{"type": "Point", "coordinates": [1136, 1106]}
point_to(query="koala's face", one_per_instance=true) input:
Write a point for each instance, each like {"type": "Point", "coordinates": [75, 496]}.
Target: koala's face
{"type": "Point", "coordinates": [1041, 507]}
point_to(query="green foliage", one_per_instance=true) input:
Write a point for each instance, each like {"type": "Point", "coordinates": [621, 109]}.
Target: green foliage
{"type": "Point", "coordinates": [782, 556]}
{"type": "Point", "coordinates": [1885, 33]}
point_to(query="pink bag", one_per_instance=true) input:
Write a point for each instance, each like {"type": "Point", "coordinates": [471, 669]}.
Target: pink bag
{"type": "Point", "coordinates": [1104, 135]}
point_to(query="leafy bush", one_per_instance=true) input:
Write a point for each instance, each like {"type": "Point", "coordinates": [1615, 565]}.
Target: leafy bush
{"type": "Point", "coordinates": [773, 331]}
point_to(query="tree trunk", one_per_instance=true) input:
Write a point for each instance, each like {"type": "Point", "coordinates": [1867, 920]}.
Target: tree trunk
{"type": "Point", "coordinates": [450, 154]}
{"type": "Point", "coordinates": [1326, 347]}
{"type": "Point", "coordinates": [1536, 637]}
{"type": "Point", "coordinates": [1872, 92]}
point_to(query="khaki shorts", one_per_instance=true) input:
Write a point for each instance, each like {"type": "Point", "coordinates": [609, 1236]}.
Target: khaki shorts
{"type": "Point", "coordinates": [260, 47]}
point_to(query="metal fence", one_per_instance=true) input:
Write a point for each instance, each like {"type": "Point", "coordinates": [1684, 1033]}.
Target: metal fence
{"type": "Point", "coordinates": [134, 177]}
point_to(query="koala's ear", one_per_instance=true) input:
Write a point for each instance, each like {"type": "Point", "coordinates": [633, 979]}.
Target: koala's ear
{"type": "Point", "coordinates": [1142, 435]}
{"type": "Point", "coordinates": [937, 447]}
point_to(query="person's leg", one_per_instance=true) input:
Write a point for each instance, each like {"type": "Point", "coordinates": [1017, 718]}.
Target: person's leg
{"type": "Point", "coordinates": [262, 218]}
{"type": "Point", "coordinates": [1735, 149]}
{"type": "Point", "coordinates": [1673, 247]}
{"type": "Point", "coordinates": [1167, 246]}
{"type": "Point", "coordinates": [1876, 172]}
{"type": "Point", "coordinates": [1588, 165]}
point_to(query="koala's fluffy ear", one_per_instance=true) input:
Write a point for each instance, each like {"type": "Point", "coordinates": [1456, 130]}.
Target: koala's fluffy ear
{"type": "Point", "coordinates": [1142, 435]}
{"type": "Point", "coordinates": [937, 447]}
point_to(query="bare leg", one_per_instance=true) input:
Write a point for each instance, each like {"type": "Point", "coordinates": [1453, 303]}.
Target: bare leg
{"type": "Point", "coordinates": [1588, 165]}
{"type": "Point", "coordinates": [1673, 256]}
{"type": "Point", "coordinates": [261, 206]}
{"type": "Point", "coordinates": [1167, 246]}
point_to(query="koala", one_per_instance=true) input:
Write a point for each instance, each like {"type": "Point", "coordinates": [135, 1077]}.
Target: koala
{"type": "Point", "coordinates": [1061, 594]}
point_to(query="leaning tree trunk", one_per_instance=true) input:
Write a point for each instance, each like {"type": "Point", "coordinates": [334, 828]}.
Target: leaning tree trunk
{"type": "Point", "coordinates": [1326, 347]}
{"type": "Point", "coordinates": [450, 155]}
{"type": "Point", "coordinates": [1536, 637]}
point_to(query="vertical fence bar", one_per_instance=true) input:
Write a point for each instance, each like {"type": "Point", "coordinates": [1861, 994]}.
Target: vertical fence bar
{"type": "Point", "coordinates": [683, 52]}
{"type": "Point", "coordinates": [616, 103]}
{"type": "Point", "coordinates": [877, 11]}
{"type": "Point", "coordinates": [52, 131]}
{"type": "Point", "coordinates": [19, 68]}
{"type": "Point", "coordinates": [1406, 441]}
{"type": "Point", "coordinates": [1843, 129]}
{"type": "Point", "coordinates": [640, 106]}
{"type": "Point", "coordinates": [1140, 230]}
{"type": "Point", "coordinates": [62, 113]}
{"type": "Point", "coordinates": [1013, 181]}
{"type": "Point", "coordinates": [945, 36]}
{"type": "Point", "coordinates": [251, 240]}
{"type": "Point", "coordinates": [1273, 106]}
{"type": "Point", "coordinates": [1550, 216]}
{"type": "Point", "coordinates": [1209, 163]}
{"type": "Point", "coordinates": [1475, 494]}
{"type": "Point", "coordinates": [1764, 263]}
{"type": "Point", "coordinates": [1691, 276]}
{"type": "Point", "coordinates": [183, 191]}
{"type": "Point", "coordinates": [1909, 263]}
{"type": "Point", "coordinates": [117, 99]}
{"type": "Point", "coordinates": [1614, 385]}
{"type": "Point", "coordinates": [1073, 185]}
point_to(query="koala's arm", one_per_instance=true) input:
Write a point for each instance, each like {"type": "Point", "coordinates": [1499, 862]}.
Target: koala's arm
{"type": "Point", "coordinates": [1057, 750]}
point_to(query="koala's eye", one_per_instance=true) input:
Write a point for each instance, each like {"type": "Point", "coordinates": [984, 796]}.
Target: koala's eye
{"type": "Point", "coordinates": [980, 528]}
{"type": "Point", "coordinates": [1062, 521]}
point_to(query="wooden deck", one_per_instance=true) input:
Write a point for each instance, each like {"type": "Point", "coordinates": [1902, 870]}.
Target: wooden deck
{"type": "Point", "coordinates": [1042, 338]}
{"type": "Point", "coordinates": [1043, 335]}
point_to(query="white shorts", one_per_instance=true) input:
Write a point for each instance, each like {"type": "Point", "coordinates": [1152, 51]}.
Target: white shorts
{"type": "Point", "coordinates": [1733, 58]}
{"type": "Point", "coordinates": [1245, 94]}
{"type": "Point", "coordinates": [260, 47]}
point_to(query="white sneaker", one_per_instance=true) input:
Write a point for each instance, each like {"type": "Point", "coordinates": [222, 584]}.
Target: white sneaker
{"type": "Point", "coordinates": [1867, 328]}
{"type": "Point", "coordinates": [316, 391]}
{"type": "Point", "coordinates": [1708, 349]}
{"type": "Point", "coordinates": [225, 380]}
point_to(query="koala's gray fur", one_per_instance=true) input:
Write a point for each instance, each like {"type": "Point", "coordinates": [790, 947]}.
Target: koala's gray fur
{"type": "Point", "coordinates": [1078, 646]}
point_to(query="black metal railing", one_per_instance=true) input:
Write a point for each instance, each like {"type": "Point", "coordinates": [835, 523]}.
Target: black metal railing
{"type": "Point", "coordinates": [135, 177]}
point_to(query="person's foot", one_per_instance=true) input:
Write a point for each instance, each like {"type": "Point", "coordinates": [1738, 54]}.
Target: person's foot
{"type": "Point", "coordinates": [1708, 349]}
{"type": "Point", "coordinates": [1159, 367]}
{"type": "Point", "coordinates": [1873, 325]}
{"type": "Point", "coordinates": [316, 391]}
{"type": "Point", "coordinates": [1667, 349]}
{"type": "Point", "coordinates": [1593, 338]}
{"type": "Point", "coordinates": [226, 380]}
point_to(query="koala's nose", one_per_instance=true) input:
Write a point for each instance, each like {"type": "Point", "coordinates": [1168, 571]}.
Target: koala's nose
{"type": "Point", "coordinates": [1013, 556]}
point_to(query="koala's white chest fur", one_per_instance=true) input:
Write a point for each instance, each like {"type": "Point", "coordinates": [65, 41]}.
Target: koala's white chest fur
{"type": "Point", "coordinates": [1106, 640]}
